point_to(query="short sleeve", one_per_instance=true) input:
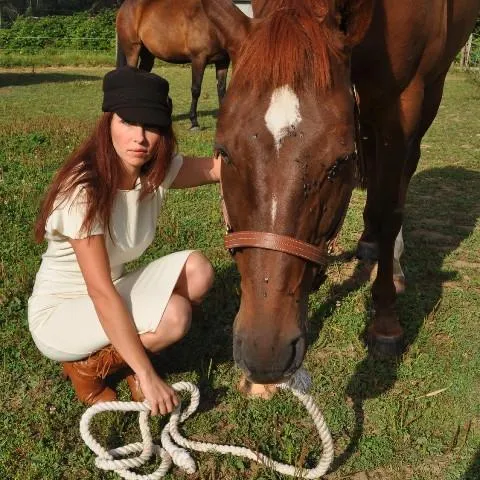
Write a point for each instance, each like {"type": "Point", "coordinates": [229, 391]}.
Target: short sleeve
{"type": "Point", "coordinates": [67, 218]}
{"type": "Point", "coordinates": [175, 165]}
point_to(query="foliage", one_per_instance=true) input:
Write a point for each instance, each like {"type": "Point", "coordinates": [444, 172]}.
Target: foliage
{"type": "Point", "coordinates": [77, 31]}
{"type": "Point", "coordinates": [41, 8]}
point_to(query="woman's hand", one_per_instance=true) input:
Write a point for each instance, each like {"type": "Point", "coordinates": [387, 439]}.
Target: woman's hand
{"type": "Point", "coordinates": [161, 396]}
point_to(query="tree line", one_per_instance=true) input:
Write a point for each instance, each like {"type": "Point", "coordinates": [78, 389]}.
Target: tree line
{"type": "Point", "coordinates": [11, 9]}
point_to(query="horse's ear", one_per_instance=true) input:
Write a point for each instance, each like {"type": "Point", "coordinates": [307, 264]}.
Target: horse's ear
{"type": "Point", "coordinates": [231, 24]}
{"type": "Point", "coordinates": [355, 17]}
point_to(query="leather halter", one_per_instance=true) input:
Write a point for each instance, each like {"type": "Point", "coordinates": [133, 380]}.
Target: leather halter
{"type": "Point", "coordinates": [270, 241]}
{"type": "Point", "coordinates": [283, 243]}
{"type": "Point", "coordinates": [279, 243]}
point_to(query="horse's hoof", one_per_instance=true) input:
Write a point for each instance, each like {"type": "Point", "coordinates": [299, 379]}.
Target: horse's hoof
{"type": "Point", "coordinates": [399, 282]}
{"type": "Point", "coordinates": [195, 128]}
{"type": "Point", "coordinates": [256, 390]}
{"type": "Point", "coordinates": [367, 251]}
{"type": "Point", "coordinates": [383, 346]}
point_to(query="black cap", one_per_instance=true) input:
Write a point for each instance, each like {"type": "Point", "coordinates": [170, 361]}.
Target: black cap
{"type": "Point", "coordinates": [137, 96]}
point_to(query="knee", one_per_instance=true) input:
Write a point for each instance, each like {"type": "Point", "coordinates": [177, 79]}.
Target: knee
{"type": "Point", "coordinates": [178, 317]}
{"type": "Point", "coordinates": [200, 276]}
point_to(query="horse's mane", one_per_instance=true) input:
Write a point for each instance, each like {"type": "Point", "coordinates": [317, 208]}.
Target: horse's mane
{"type": "Point", "coordinates": [294, 45]}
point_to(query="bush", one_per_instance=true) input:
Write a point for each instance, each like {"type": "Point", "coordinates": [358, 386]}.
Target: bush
{"type": "Point", "coordinates": [77, 31]}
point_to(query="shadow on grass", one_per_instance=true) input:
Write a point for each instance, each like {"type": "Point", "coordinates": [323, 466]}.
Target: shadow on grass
{"type": "Point", "coordinates": [24, 78]}
{"type": "Point", "coordinates": [473, 472]}
{"type": "Point", "coordinates": [442, 209]}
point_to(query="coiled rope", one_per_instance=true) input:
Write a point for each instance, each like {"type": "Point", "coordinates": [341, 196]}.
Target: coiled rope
{"type": "Point", "coordinates": [172, 441]}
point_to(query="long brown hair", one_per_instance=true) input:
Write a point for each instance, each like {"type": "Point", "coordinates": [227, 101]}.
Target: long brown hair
{"type": "Point", "coordinates": [94, 168]}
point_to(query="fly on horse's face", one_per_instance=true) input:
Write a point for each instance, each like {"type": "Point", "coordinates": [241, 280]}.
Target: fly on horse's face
{"type": "Point", "coordinates": [287, 137]}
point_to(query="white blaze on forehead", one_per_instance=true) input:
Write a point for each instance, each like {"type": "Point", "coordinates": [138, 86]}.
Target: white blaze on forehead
{"type": "Point", "coordinates": [283, 114]}
{"type": "Point", "coordinates": [274, 208]}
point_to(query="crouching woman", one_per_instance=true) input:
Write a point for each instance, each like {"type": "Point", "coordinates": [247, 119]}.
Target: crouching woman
{"type": "Point", "coordinates": [101, 212]}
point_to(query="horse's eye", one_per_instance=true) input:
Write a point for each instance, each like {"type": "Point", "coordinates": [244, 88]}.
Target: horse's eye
{"type": "Point", "coordinates": [223, 153]}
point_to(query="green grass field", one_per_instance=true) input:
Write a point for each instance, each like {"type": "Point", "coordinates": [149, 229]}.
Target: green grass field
{"type": "Point", "coordinates": [418, 418]}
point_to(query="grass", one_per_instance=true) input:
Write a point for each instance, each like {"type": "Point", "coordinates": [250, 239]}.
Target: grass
{"type": "Point", "coordinates": [390, 420]}
{"type": "Point", "coordinates": [55, 57]}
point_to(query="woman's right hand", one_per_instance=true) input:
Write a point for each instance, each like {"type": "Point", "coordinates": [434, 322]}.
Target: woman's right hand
{"type": "Point", "coordinates": [160, 395]}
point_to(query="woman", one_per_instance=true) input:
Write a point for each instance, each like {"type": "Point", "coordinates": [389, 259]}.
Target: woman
{"type": "Point", "coordinates": [99, 213]}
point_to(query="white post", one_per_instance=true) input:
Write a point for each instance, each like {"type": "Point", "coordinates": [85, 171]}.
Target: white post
{"type": "Point", "coordinates": [465, 53]}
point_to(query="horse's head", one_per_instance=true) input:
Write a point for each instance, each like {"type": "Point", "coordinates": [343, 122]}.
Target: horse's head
{"type": "Point", "coordinates": [286, 132]}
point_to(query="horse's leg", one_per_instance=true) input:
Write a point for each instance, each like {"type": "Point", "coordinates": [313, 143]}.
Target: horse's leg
{"type": "Point", "coordinates": [398, 275]}
{"type": "Point", "coordinates": [367, 248]}
{"type": "Point", "coordinates": [121, 58]}
{"type": "Point", "coordinates": [397, 139]}
{"type": "Point", "coordinates": [198, 69]}
{"type": "Point", "coordinates": [147, 59]}
{"type": "Point", "coordinates": [128, 43]}
{"type": "Point", "coordinates": [221, 71]}
{"type": "Point", "coordinates": [431, 101]}
{"type": "Point", "coordinates": [128, 55]}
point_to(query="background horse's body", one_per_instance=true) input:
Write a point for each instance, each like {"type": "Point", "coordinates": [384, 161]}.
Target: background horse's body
{"type": "Point", "coordinates": [176, 31]}
{"type": "Point", "coordinates": [294, 127]}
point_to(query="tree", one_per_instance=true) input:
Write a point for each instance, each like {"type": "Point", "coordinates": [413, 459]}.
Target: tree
{"type": "Point", "coordinates": [8, 12]}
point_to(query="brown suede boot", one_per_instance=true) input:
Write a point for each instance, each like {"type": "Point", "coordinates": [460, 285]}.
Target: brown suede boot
{"type": "Point", "coordinates": [88, 376]}
{"type": "Point", "coordinates": [134, 386]}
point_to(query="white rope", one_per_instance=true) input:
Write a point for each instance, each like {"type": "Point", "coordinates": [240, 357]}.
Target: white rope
{"type": "Point", "coordinates": [172, 441]}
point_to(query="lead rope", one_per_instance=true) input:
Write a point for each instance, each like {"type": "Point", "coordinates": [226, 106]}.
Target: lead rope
{"type": "Point", "coordinates": [174, 453]}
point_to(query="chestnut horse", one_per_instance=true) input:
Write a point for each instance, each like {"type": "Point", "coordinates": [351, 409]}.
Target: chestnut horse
{"type": "Point", "coordinates": [176, 31]}
{"type": "Point", "coordinates": [287, 134]}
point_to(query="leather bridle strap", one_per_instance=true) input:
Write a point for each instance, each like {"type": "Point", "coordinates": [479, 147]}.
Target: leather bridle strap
{"type": "Point", "coordinates": [279, 243]}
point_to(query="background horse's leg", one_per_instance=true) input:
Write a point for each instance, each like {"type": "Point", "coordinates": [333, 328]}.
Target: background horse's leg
{"type": "Point", "coordinates": [221, 71]}
{"type": "Point", "coordinates": [121, 58]}
{"type": "Point", "coordinates": [147, 59]}
{"type": "Point", "coordinates": [198, 69]}
{"type": "Point", "coordinates": [127, 54]}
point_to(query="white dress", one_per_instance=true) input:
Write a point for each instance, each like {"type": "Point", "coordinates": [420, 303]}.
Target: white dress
{"type": "Point", "coordinates": [61, 316]}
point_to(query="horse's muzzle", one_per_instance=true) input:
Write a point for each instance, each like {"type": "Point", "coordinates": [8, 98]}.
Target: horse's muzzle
{"type": "Point", "coordinates": [263, 362]}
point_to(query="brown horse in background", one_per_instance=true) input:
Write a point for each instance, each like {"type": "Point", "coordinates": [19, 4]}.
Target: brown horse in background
{"type": "Point", "coordinates": [176, 31]}
{"type": "Point", "coordinates": [288, 134]}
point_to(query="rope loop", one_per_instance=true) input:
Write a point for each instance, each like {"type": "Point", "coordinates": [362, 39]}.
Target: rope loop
{"type": "Point", "coordinates": [174, 446]}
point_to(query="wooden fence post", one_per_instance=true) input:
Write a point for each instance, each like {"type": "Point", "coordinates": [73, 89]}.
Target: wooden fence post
{"type": "Point", "coordinates": [465, 53]}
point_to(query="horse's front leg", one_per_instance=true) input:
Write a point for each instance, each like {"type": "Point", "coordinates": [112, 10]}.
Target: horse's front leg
{"type": "Point", "coordinates": [385, 334]}
{"type": "Point", "coordinates": [397, 147]}
{"type": "Point", "coordinates": [198, 70]}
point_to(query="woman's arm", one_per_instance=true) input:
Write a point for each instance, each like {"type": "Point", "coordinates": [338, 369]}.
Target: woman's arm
{"type": "Point", "coordinates": [197, 171]}
{"type": "Point", "coordinates": [117, 321]}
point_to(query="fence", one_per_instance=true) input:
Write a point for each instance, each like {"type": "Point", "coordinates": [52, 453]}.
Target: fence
{"type": "Point", "coordinates": [470, 53]}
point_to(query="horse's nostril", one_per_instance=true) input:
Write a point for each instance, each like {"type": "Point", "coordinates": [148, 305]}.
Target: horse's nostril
{"type": "Point", "coordinates": [298, 352]}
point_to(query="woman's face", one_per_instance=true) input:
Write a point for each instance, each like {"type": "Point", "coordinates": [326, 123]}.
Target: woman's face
{"type": "Point", "coordinates": [134, 143]}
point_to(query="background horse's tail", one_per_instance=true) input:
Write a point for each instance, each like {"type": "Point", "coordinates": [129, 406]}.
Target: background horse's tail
{"type": "Point", "coordinates": [121, 58]}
